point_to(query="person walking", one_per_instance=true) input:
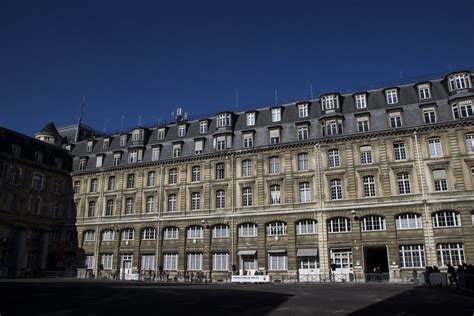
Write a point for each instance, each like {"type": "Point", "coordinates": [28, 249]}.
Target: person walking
{"type": "Point", "coordinates": [452, 276]}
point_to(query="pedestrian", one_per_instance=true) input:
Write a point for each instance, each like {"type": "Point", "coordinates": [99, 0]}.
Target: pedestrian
{"type": "Point", "coordinates": [452, 276]}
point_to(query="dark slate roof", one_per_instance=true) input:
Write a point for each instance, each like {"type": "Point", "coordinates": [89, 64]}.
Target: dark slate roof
{"type": "Point", "coordinates": [49, 129]}
{"type": "Point", "coordinates": [408, 103]}
{"type": "Point", "coordinates": [29, 146]}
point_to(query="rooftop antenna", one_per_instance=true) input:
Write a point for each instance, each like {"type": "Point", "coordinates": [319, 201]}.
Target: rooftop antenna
{"type": "Point", "coordinates": [450, 69]}
{"type": "Point", "coordinates": [139, 120]}
{"type": "Point", "coordinates": [185, 115]}
{"type": "Point", "coordinates": [83, 109]}
{"type": "Point", "coordinates": [401, 75]}
{"type": "Point", "coordinates": [237, 100]}
{"type": "Point", "coordinates": [106, 123]}
{"type": "Point", "coordinates": [121, 126]}
{"type": "Point", "coordinates": [158, 120]}
{"type": "Point", "coordinates": [276, 96]}
{"type": "Point", "coordinates": [311, 88]}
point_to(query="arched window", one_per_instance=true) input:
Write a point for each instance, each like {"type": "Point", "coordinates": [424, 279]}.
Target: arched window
{"type": "Point", "coordinates": [276, 228]}
{"type": "Point", "coordinates": [339, 225]}
{"type": "Point", "coordinates": [247, 168]}
{"type": "Point", "coordinates": [372, 223]}
{"type": "Point", "coordinates": [220, 231]}
{"type": "Point", "coordinates": [306, 227]}
{"type": "Point", "coordinates": [194, 232]}
{"type": "Point", "coordinates": [446, 219]}
{"type": "Point", "coordinates": [248, 230]}
{"type": "Point", "coordinates": [89, 235]}
{"type": "Point", "coordinates": [171, 233]}
{"type": "Point", "coordinates": [128, 234]}
{"type": "Point", "coordinates": [108, 235]}
{"type": "Point", "coordinates": [408, 221]}
{"type": "Point", "coordinates": [149, 233]}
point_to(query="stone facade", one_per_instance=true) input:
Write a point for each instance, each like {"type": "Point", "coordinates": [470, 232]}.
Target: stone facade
{"type": "Point", "coordinates": [37, 215]}
{"type": "Point", "coordinates": [392, 195]}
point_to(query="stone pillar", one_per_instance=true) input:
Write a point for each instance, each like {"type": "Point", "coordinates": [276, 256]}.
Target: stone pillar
{"type": "Point", "coordinates": [44, 245]}
{"type": "Point", "coordinates": [19, 253]}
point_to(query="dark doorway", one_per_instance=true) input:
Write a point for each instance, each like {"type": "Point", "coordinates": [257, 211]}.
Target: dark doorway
{"type": "Point", "coordinates": [51, 262]}
{"type": "Point", "coordinates": [375, 259]}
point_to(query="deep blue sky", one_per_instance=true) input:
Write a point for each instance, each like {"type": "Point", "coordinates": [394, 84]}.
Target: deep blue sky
{"type": "Point", "coordinates": [145, 58]}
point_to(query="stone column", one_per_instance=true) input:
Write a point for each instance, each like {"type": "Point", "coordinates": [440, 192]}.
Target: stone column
{"type": "Point", "coordinates": [44, 245]}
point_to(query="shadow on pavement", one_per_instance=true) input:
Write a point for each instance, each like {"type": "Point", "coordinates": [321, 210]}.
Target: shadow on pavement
{"type": "Point", "coordinates": [423, 301]}
{"type": "Point", "coordinates": [124, 298]}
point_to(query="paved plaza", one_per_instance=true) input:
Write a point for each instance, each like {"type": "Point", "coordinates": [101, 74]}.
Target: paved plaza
{"type": "Point", "coordinates": [63, 297]}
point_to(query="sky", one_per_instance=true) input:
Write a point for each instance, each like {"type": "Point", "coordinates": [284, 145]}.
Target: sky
{"type": "Point", "coordinates": [146, 58]}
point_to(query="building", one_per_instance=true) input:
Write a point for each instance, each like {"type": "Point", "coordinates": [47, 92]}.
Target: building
{"type": "Point", "coordinates": [331, 188]}
{"type": "Point", "coordinates": [37, 214]}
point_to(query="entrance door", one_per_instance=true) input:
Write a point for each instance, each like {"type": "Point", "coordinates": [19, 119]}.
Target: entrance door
{"type": "Point", "coordinates": [126, 265]}
{"type": "Point", "coordinates": [308, 269]}
{"type": "Point", "coordinates": [248, 265]}
{"type": "Point", "coordinates": [341, 265]}
{"type": "Point", "coordinates": [376, 264]}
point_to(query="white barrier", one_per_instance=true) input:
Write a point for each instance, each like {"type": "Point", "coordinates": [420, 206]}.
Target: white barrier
{"type": "Point", "coordinates": [132, 276]}
{"type": "Point", "coordinates": [250, 278]}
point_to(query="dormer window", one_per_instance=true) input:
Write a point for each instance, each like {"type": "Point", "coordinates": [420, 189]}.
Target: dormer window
{"type": "Point", "coordinates": [250, 116]}
{"type": "Point", "coordinates": [275, 136]}
{"type": "Point", "coordinates": [459, 81]}
{"type": "Point", "coordinates": [39, 157]}
{"type": "Point", "coordinates": [160, 135]}
{"type": "Point", "coordinates": [137, 135]}
{"type": "Point", "coordinates": [395, 119]}
{"type": "Point", "coordinates": [123, 140]}
{"type": "Point", "coordinates": [155, 153]}
{"type": "Point", "coordinates": [90, 145]}
{"type": "Point", "coordinates": [134, 155]}
{"type": "Point", "coordinates": [392, 96]}
{"type": "Point", "coordinates": [363, 124]}
{"type": "Point", "coordinates": [424, 92]}
{"type": "Point", "coordinates": [463, 109]}
{"type": "Point", "coordinates": [303, 110]}
{"type": "Point", "coordinates": [181, 130]}
{"type": "Point", "coordinates": [276, 114]}
{"type": "Point", "coordinates": [222, 142]}
{"type": "Point", "coordinates": [117, 158]}
{"type": "Point", "coordinates": [361, 101]}
{"type": "Point", "coordinates": [331, 127]}
{"type": "Point", "coordinates": [82, 163]}
{"type": "Point", "coordinates": [224, 120]}
{"type": "Point", "coordinates": [247, 139]}
{"type": "Point", "coordinates": [203, 127]}
{"type": "Point", "coordinates": [99, 161]}
{"type": "Point", "coordinates": [16, 150]}
{"type": "Point", "coordinates": [177, 150]}
{"type": "Point", "coordinates": [106, 143]}
{"type": "Point", "coordinates": [198, 146]}
{"type": "Point", "coordinates": [303, 132]}
{"type": "Point", "coordinates": [330, 102]}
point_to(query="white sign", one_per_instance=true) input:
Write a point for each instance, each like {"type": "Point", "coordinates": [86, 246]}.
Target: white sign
{"type": "Point", "coordinates": [131, 276]}
{"type": "Point", "coordinates": [250, 278]}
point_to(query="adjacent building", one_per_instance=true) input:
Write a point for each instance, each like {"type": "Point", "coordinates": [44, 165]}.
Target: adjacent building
{"type": "Point", "coordinates": [37, 215]}
{"type": "Point", "coordinates": [325, 189]}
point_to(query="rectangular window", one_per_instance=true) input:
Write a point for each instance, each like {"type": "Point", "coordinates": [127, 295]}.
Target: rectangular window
{"type": "Point", "coordinates": [274, 136]}
{"type": "Point", "coordinates": [133, 156]}
{"type": "Point", "coordinates": [155, 153]}
{"type": "Point", "coordinates": [306, 227]}
{"type": "Point", "coordinates": [170, 261]}
{"type": "Point", "coordinates": [82, 164]}
{"type": "Point", "coordinates": [220, 231]}
{"type": "Point", "coordinates": [436, 150]}
{"type": "Point", "coordinates": [176, 150]}
{"type": "Point", "coordinates": [463, 109]}
{"type": "Point", "coordinates": [403, 183]}
{"type": "Point", "coordinates": [305, 192]}
{"type": "Point", "coordinates": [203, 127]}
{"type": "Point", "coordinates": [171, 233]}
{"type": "Point", "coordinates": [224, 120]}
{"type": "Point", "coordinates": [365, 154]}
{"type": "Point", "coordinates": [148, 262]}
{"type": "Point", "coordinates": [276, 115]}
{"type": "Point", "coordinates": [89, 262]}
{"type": "Point", "coordinates": [424, 91]}
{"type": "Point", "coordinates": [160, 134]}
{"type": "Point", "coordinates": [181, 130]}
{"type": "Point", "coordinates": [392, 96]}
{"type": "Point", "coordinates": [429, 115]}
{"type": "Point", "coordinates": [198, 147]}
{"type": "Point", "coordinates": [90, 145]}
{"type": "Point", "coordinates": [277, 261]}
{"type": "Point", "coordinates": [37, 181]}
{"type": "Point", "coordinates": [195, 201]}
{"type": "Point", "coordinates": [250, 118]}
{"type": "Point", "coordinates": [117, 159]}
{"type": "Point", "coordinates": [123, 140]}
{"type": "Point", "coordinates": [361, 101]}
{"type": "Point", "coordinates": [408, 221]}
{"type": "Point", "coordinates": [333, 158]}
{"type": "Point", "coordinates": [99, 161]}
{"type": "Point", "coordinates": [248, 230]}
{"type": "Point", "coordinates": [172, 205]}
{"type": "Point", "coordinates": [106, 261]}
{"type": "Point", "coordinates": [303, 110]}
{"type": "Point", "coordinates": [220, 261]}
{"type": "Point", "coordinates": [274, 165]}
{"type": "Point", "coordinates": [469, 143]}
{"type": "Point", "coordinates": [399, 151]}
{"type": "Point", "coordinates": [363, 124]}
{"type": "Point", "coordinates": [440, 182]}
{"type": "Point", "coordinates": [395, 120]}
{"type": "Point", "coordinates": [194, 261]}
{"type": "Point", "coordinates": [412, 256]}
{"type": "Point", "coordinates": [303, 132]}
{"type": "Point", "coordinates": [248, 140]}
{"type": "Point", "coordinates": [452, 253]}
{"type": "Point", "coordinates": [106, 143]}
